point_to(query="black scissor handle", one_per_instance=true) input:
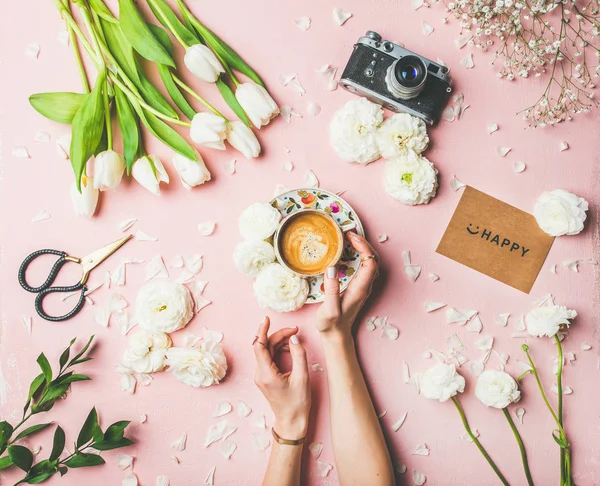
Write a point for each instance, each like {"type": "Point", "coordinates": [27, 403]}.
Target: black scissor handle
{"type": "Point", "coordinates": [39, 301]}
{"type": "Point", "coordinates": [51, 276]}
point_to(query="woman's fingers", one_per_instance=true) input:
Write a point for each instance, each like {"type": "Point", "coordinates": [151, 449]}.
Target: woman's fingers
{"type": "Point", "coordinates": [280, 338]}
{"type": "Point", "coordinates": [299, 361]}
{"type": "Point", "coordinates": [330, 308]}
{"type": "Point", "coordinates": [369, 268]}
{"type": "Point", "coordinates": [264, 359]}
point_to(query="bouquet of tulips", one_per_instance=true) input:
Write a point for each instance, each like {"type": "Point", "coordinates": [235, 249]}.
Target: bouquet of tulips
{"type": "Point", "coordinates": [116, 47]}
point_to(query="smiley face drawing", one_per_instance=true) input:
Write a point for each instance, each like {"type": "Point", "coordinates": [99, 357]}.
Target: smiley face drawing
{"type": "Point", "coordinates": [471, 230]}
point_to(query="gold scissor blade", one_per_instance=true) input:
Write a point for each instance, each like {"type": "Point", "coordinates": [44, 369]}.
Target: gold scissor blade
{"type": "Point", "coordinates": [95, 258]}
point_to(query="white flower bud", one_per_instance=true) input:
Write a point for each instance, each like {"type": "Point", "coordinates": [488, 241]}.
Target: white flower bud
{"type": "Point", "coordinates": [108, 170]}
{"type": "Point", "coordinates": [242, 138]}
{"type": "Point", "coordinates": [143, 171]}
{"type": "Point", "coordinates": [85, 202]}
{"type": "Point", "coordinates": [209, 130]}
{"type": "Point", "coordinates": [203, 63]}
{"type": "Point", "coordinates": [257, 103]}
{"type": "Point", "coordinates": [192, 173]}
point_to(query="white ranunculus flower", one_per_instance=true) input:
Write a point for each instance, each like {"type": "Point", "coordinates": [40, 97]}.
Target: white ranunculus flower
{"type": "Point", "coordinates": [146, 352]}
{"type": "Point", "coordinates": [242, 138]}
{"type": "Point", "coordinates": [353, 131]}
{"type": "Point", "coordinates": [163, 306]}
{"type": "Point", "coordinates": [560, 212]}
{"type": "Point", "coordinates": [209, 130]}
{"type": "Point", "coordinates": [203, 63]}
{"type": "Point", "coordinates": [108, 170]}
{"type": "Point", "coordinates": [441, 382]}
{"type": "Point", "coordinates": [279, 289]}
{"type": "Point", "coordinates": [412, 179]}
{"type": "Point", "coordinates": [191, 172]}
{"type": "Point", "coordinates": [547, 320]}
{"type": "Point", "coordinates": [257, 103]}
{"type": "Point", "coordinates": [400, 133]}
{"type": "Point", "coordinates": [497, 389]}
{"type": "Point", "coordinates": [85, 202]}
{"type": "Point", "coordinates": [150, 172]}
{"type": "Point", "coordinates": [258, 221]}
{"type": "Point", "coordinates": [203, 366]}
{"type": "Point", "coordinates": [250, 256]}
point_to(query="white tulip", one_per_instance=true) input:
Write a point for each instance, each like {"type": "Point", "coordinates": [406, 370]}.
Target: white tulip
{"type": "Point", "coordinates": [257, 103]}
{"type": "Point", "coordinates": [242, 138]}
{"type": "Point", "coordinates": [497, 389]}
{"type": "Point", "coordinates": [192, 173]}
{"type": "Point", "coordinates": [150, 172]}
{"type": "Point", "coordinates": [108, 170]}
{"type": "Point", "coordinates": [86, 201]}
{"type": "Point", "coordinates": [209, 130]}
{"type": "Point", "coordinates": [203, 63]}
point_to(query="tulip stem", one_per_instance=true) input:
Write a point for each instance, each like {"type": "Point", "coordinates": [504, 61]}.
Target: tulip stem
{"type": "Point", "coordinates": [157, 12]}
{"type": "Point", "coordinates": [146, 106]}
{"type": "Point", "coordinates": [75, 47]}
{"type": "Point", "coordinates": [107, 120]}
{"type": "Point", "coordinates": [521, 446]}
{"type": "Point", "coordinates": [189, 90]}
{"type": "Point", "coordinates": [478, 444]}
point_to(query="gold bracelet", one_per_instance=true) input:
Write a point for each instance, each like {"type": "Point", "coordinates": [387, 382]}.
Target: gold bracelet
{"type": "Point", "coordinates": [280, 440]}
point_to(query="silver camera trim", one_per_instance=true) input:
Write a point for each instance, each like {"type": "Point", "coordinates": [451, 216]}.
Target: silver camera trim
{"type": "Point", "coordinates": [395, 87]}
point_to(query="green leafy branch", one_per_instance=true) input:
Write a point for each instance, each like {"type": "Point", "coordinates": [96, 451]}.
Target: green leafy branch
{"type": "Point", "coordinates": [44, 390]}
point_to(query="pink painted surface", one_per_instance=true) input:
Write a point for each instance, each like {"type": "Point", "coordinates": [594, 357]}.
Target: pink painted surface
{"type": "Point", "coordinates": [263, 31]}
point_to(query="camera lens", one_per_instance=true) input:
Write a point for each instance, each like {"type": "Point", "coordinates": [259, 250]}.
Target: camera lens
{"type": "Point", "coordinates": [406, 77]}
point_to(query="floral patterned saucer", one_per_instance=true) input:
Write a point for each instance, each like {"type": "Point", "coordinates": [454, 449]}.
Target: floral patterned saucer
{"type": "Point", "coordinates": [291, 201]}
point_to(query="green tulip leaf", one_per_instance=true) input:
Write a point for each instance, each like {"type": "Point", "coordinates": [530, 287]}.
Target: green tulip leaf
{"type": "Point", "coordinates": [20, 457]}
{"type": "Point", "coordinates": [232, 101]}
{"type": "Point", "coordinates": [120, 48]}
{"type": "Point", "coordinates": [166, 134]}
{"type": "Point", "coordinates": [222, 49]}
{"type": "Point", "coordinates": [88, 126]}
{"type": "Point", "coordinates": [153, 96]}
{"type": "Point", "coordinates": [59, 106]}
{"type": "Point", "coordinates": [130, 130]}
{"type": "Point", "coordinates": [140, 36]}
{"type": "Point", "coordinates": [41, 472]}
{"type": "Point", "coordinates": [102, 10]}
{"type": "Point", "coordinates": [177, 96]}
{"type": "Point", "coordinates": [90, 429]}
{"type": "Point", "coordinates": [165, 15]}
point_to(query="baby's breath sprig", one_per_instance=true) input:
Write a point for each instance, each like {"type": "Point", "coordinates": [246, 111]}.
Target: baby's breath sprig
{"type": "Point", "coordinates": [555, 39]}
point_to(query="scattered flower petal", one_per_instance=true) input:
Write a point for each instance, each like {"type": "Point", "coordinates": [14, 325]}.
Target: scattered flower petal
{"type": "Point", "coordinates": [316, 448]}
{"type": "Point", "coordinates": [427, 29]}
{"type": "Point", "coordinates": [562, 146]}
{"type": "Point", "coordinates": [421, 450]}
{"type": "Point", "coordinates": [179, 444]}
{"type": "Point", "coordinates": [243, 410]}
{"type": "Point", "coordinates": [382, 238]}
{"type": "Point", "coordinates": [324, 468]}
{"type": "Point", "coordinates": [130, 480]}
{"type": "Point", "coordinates": [586, 347]}
{"type": "Point", "coordinates": [419, 478]}
{"type": "Point", "coordinates": [63, 37]}
{"type": "Point", "coordinates": [42, 137]}
{"type": "Point", "coordinates": [519, 167]}
{"type": "Point", "coordinates": [390, 332]}
{"type": "Point", "coordinates": [467, 62]}
{"type": "Point", "coordinates": [63, 146]}
{"type": "Point", "coordinates": [303, 23]}
{"type": "Point", "coordinates": [433, 306]}
{"type": "Point", "coordinates": [32, 50]}
{"type": "Point", "coordinates": [502, 151]}
{"type": "Point", "coordinates": [340, 17]}
{"type": "Point", "coordinates": [143, 418]}
{"type": "Point", "coordinates": [475, 325]}
{"type": "Point", "coordinates": [412, 271]}
{"type": "Point", "coordinates": [26, 320]}
{"type": "Point", "coordinates": [230, 166]}
{"type": "Point", "coordinates": [502, 319]}
{"type": "Point", "coordinates": [287, 112]}
{"type": "Point", "coordinates": [520, 412]}
{"type": "Point", "coordinates": [260, 422]}
{"type": "Point", "coordinates": [206, 228]}
{"type": "Point", "coordinates": [313, 108]}
{"type": "Point", "coordinates": [124, 461]}
{"type": "Point", "coordinates": [316, 367]}
{"type": "Point", "coordinates": [434, 277]}
{"type": "Point", "coordinates": [126, 224]}
{"type": "Point", "coordinates": [141, 236]}
{"type": "Point", "coordinates": [156, 268]}
{"type": "Point", "coordinates": [492, 127]}
{"type": "Point", "coordinates": [456, 184]}
{"type": "Point", "coordinates": [228, 448]}
{"type": "Point", "coordinates": [21, 152]}
{"type": "Point", "coordinates": [448, 114]}
{"type": "Point", "coordinates": [260, 442]}
{"type": "Point", "coordinates": [162, 481]}
{"type": "Point", "coordinates": [310, 179]}
{"type": "Point", "coordinates": [329, 73]}
{"type": "Point", "coordinates": [41, 216]}
{"type": "Point", "coordinates": [484, 343]}
{"type": "Point", "coordinates": [210, 478]}
{"type": "Point", "coordinates": [460, 317]}
{"type": "Point", "coordinates": [399, 422]}
{"type": "Point", "coordinates": [462, 41]}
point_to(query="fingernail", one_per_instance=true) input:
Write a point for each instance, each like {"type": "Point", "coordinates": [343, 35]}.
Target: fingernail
{"type": "Point", "coordinates": [352, 234]}
{"type": "Point", "coordinates": [294, 339]}
{"type": "Point", "coordinates": [331, 272]}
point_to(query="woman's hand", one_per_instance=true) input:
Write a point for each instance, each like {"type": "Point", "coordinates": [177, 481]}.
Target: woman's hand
{"type": "Point", "coordinates": [337, 313]}
{"type": "Point", "coordinates": [288, 393]}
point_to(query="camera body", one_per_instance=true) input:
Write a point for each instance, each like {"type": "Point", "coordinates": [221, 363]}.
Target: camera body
{"type": "Point", "coordinates": [397, 78]}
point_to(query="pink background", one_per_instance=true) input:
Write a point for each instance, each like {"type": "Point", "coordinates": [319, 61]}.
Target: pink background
{"type": "Point", "coordinates": [264, 33]}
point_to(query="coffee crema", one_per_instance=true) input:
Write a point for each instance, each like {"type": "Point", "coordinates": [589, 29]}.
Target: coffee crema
{"type": "Point", "coordinates": [310, 242]}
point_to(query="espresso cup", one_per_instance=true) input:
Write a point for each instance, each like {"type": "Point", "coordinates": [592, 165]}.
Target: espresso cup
{"type": "Point", "coordinates": [308, 241]}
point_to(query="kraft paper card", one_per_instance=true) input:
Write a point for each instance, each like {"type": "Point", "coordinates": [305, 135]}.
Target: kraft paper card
{"type": "Point", "coordinates": [496, 239]}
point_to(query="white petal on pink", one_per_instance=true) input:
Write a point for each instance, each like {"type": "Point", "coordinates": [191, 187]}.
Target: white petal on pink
{"type": "Point", "coordinates": [141, 236]}
{"type": "Point", "coordinates": [421, 450]}
{"type": "Point", "coordinates": [390, 332]}
{"type": "Point", "coordinates": [310, 179]}
{"type": "Point", "coordinates": [230, 166]}
{"type": "Point", "coordinates": [206, 228]}
{"type": "Point", "coordinates": [162, 481]}
{"type": "Point", "coordinates": [434, 277]}
{"type": "Point", "coordinates": [475, 325]}
{"type": "Point", "coordinates": [399, 423]}
{"type": "Point", "coordinates": [519, 167]}
{"type": "Point", "coordinates": [228, 448]}
{"type": "Point", "coordinates": [156, 268]}
{"type": "Point", "coordinates": [303, 23]}
{"type": "Point", "coordinates": [21, 152]}
{"type": "Point", "coordinates": [42, 137]}
{"type": "Point", "coordinates": [179, 444]}
{"type": "Point", "coordinates": [210, 477]}
{"type": "Point", "coordinates": [288, 166]}
{"type": "Point", "coordinates": [329, 73]}
{"type": "Point", "coordinates": [26, 320]}
{"type": "Point", "coordinates": [124, 461]}
{"type": "Point", "coordinates": [313, 108]}
{"type": "Point", "coordinates": [340, 16]}
{"type": "Point", "coordinates": [260, 442]}
{"type": "Point", "coordinates": [427, 29]}
{"type": "Point", "coordinates": [130, 480]}
{"type": "Point", "coordinates": [126, 224]}
{"type": "Point", "coordinates": [41, 216]}
{"type": "Point", "coordinates": [324, 468]}
{"type": "Point", "coordinates": [316, 448]}
{"type": "Point", "coordinates": [287, 112]}
{"type": "Point", "coordinates": [419, 478]}
{"type": "Point", "coordinates": [456, 184]}
{"type": "Point", "coordinates": [491, 128]}
{"type": "Point", "coordinates": [562, 146]}
{"type": "Point", "coordinates": [520, 412]}
{"type": "Point", "coordinates": [433, 306]}
{"type": "Point", "coordinates": [32, 50]}
{"type": "Point", "coordinates": [503, 151]}
{"type": "Point", "coordinates": [243, 410]}
{"type": "Point", "coordinates": [467, 62]}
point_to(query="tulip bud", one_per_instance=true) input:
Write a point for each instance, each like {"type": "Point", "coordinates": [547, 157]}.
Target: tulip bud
{"type": "Point", "coordinates": [209, 130]}
{"type": "Point", "coordinates": [257, 103]}
{"type": "Point", "coordinates": [202, 62]}
{"type": "Point", "coordinates": [108, 170]}
{"type": "Point", "coordinates": [243, 139]}
{"type": "Point", "coordinates": [84, 202]}
{"type": "Point", "coordinates": [150, 172]}
{"type": "Point", "coordinates": [192, 173]}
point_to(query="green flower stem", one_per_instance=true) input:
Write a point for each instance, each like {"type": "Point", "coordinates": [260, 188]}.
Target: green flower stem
{"type": "Point", "coordinates": [107, 120]}
{"type": "Point", "coordinates": [539, 382]}
{"type": "Point", "coordinates": [75, 47]}
{"type": "Point", "coordinates": [560, 403]}
{"type": "Point", "coordinates": [478, 444]}
{"type": "Point", "coordinates": [168, 24]}
{"type": "Point", "coordinates": [25, 419]}
{"type": "Point", "coordinates": [189, 90]}
{"type": "Point", "coordinates": [521, 446]}
{"type": "Point", "coordinates": [146, 106]}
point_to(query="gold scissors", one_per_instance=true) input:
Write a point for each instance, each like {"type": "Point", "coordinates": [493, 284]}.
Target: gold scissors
{"type": "Point", "coordinates": [88, 263]}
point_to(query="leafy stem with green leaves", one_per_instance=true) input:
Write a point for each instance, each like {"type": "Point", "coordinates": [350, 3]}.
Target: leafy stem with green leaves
{"type": "Point", "coordinates": [44, 390]}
